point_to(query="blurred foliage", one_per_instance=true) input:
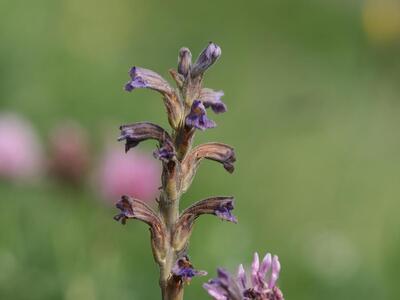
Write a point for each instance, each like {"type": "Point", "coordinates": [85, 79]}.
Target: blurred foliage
{"type": "Point", "coordinates": [313, 93]}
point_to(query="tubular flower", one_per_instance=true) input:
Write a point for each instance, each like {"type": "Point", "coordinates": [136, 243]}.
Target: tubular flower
{"type": "Point", "coordinates": [135, 133]}
{"type": "Point", "coordinates": [219, 206]}
{"type": "Point", "coordinates": [262, 285]}
{"type": "Point", "coordinates": [144, 78]}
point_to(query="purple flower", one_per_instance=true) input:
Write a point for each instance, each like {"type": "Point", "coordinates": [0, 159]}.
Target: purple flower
{"type": "Point", "coordinates": [206, 58]}
{"type": "Point", "coordinates": [223, 287]}
{"type": "Point", "coordinates": [262, 286]}
{"type": "Point", "coordinates": [211, 98]}
{"type": "Point", "coordinates": [135, 133]}
{"type": "Point", "coordinates": [198, 117]}
{"type": "Point", "coordinates": [144, 78]}
{"type": "Point", "coordinates": [125, 205]}
{"type": "Point", "coordinates": [164, 154]}
{"type": "Point", "coordinates": [184, 271]}
{"type": "Point", "coordinates": [224, 212]}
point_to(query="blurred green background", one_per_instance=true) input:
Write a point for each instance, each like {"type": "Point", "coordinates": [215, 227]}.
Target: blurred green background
{"type": "Point", "coordinates": [313, 90]}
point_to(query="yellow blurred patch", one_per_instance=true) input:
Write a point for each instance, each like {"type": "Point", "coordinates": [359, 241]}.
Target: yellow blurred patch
{"type": "Point", "coordinates": [381, 20]}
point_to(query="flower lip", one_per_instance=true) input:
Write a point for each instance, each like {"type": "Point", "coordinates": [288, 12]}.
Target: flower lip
{"type": "Point", "coordinates": [125, 205]}
{"type": "Point", "coordinates": [224, 211]}
{"type": "Point", "coordinates": [211, 98]}
{"type": "Point", "coordinates": [184, 270]}
{"type": "Point", "coordinates": [197, 117]}
{"type": "Point", "coordinates": [136, 81]}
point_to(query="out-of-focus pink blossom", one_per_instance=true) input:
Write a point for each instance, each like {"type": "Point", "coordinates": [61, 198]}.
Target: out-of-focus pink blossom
{"type": "Point", "coordinates": [69, 153]}
{"type": "Point", "coordinates": [134, 174]}
{"type": "Point", "coordinates": [21, 155]}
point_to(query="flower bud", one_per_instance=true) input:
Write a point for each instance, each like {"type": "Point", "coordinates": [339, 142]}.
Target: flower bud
{"type": "Point", "coordinates": [206, 58]}
{"type": "Point", "coordinates": [184, 61]}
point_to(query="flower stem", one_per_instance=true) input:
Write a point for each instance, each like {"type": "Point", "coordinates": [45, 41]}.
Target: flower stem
{"type": "Point", "coordinates": [169, 209]}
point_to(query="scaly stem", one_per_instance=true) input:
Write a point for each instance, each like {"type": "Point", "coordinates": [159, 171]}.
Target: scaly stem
{"type": "Point", "coordinates": [169, 209]}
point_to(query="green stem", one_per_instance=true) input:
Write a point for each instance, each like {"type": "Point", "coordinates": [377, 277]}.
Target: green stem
{"type": "Point", "coordinates": [169, 208]}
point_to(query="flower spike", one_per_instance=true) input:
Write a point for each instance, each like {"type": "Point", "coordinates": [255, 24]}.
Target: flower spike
{"type": "Point", "coordinates": [186, 107]}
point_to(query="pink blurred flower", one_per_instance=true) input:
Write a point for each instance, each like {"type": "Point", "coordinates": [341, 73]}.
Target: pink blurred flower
{"type": "Point", "coordinates": [69, 153]}
{"type": "Point", "coordinates": [20, 150]}
{"type": "Point", "coordinates": [134, 174]}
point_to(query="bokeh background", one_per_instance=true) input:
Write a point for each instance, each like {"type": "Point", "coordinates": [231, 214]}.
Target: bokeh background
{"type": "Point", "coordinates": [312, 88]}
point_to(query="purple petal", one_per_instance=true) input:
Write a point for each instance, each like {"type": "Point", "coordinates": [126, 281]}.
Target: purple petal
{"type": "Point", "coordinates": [241, 276]}
{"type": "Point", "coordinates": [135, 133]}
{"type": "Point", "coordinates": [144, 78]}
{"type": "Point", "coordinates": [197, 117]}
{"type": "Point", "coordinates": [184, 270]}
{"type": "Point", "coordinates": [164, 154]}
{"type": "Point", "coordinates": [215, 291]}
{"type": "Point", "coordinates": [276, 268]}
{"type": "Point", "coordinates": [125, 205]}
{"type": "Point", "coordinates": [211, 98]}
{"type": "Point", "coordinates": [265, 265]}
{"type": "Point", "coordinates": [223, 287]}
{"type": "Point", "coordinates": [254, 270]}
{"type": "Point", "coordinates": [224, 212]}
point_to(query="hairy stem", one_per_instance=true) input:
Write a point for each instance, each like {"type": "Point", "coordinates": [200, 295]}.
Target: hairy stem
{"type": "Point", "coordinates": [169, 209]}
